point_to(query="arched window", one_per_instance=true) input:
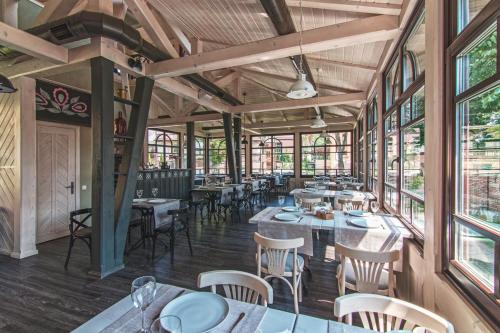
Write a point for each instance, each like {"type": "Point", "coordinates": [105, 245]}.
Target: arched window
{"type": "Point", "coordinates": [327, 153]}
{"type": "Point", "coordinates": [163, 149]}
{"type": "Point", "coordinates": [273, 154]}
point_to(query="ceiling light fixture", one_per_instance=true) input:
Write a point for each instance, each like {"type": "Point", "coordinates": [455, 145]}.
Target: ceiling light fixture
{"type": "Point", "coordinates": [6, 85]}
{"type": "Point", "coordinates": [302, 88]}
{"type": "Point", "coordinates": [318, 122]}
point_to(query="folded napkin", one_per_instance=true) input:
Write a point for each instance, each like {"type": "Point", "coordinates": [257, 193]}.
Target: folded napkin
{"type": "Point", "coordinates": [131, 320]}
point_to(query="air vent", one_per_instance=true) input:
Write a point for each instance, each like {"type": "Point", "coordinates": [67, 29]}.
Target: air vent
{"type": "Point", "coordinates": [61, 32]}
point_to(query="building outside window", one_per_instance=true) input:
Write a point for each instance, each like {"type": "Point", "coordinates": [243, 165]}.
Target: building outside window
{"type": "Point", "coordinates": [217, 161]}
{"type": "Point", "coordinates": [473, 238]}
{"type": "Point", "coordinates": [326, 153]}
{"type": "Point", "coordinates": [199, 154]}
{"type": "Point", "coordinates": [162, 149]}
{"type": "Point", "coordinates": [404, 146]}
{"type": "Point", "coordinates": [273, 154]}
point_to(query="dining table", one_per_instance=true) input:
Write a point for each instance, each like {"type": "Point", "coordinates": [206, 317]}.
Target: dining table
{"type": "Point", "coordinates": [213, 192]}
{"type": "Point", "coordinates": [123, 317]}
{"type": "Point", "coordinates": [160, 208]}
{"type": "Point", "coordinates": [343, 194]}
{"type": "Point", "coordinates": [380, 232]}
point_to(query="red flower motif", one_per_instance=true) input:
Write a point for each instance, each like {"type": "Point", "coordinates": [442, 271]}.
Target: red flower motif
{"type": "Point", "coordinates": [61, 96]}
{"type": "Point", "coordinates": [79, 107]}
{"type": "Point", "coordinates": [41, 100]}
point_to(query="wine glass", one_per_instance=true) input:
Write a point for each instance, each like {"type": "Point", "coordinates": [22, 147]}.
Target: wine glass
{"type": "Point", "coordinates": [166, 324]}
{"type": "Point", "coordinates": [143, 292]}
{"type": "Point", "coordinates": [281, 200]}
{"type": "Point", "coordinates": [139, 193]}
{"type": "Point", "coordinates": [374, 206]}
{"type": "Point", "coordinates": [154, 191]}
{"type": "Point", "coordinates": [298, 202]}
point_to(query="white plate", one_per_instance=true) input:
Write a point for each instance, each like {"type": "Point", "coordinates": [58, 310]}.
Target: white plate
{"type": "Point", "coordinates": [309, 190]}
{"type": "Point", "coordinates": [347, 192]}
{"type": "Point", "coordinates": [286, 217]}
{"type": "Point", "coordinates": [290, 209]}
{"type": "Point", "coordinates": [157, 200]}
{"type": "Point", "coordinates": [364, 223]}
{"type": "Point", "coordinates": [199, 311]}
{"type": "Point", "coordinates": [358, 213]}
{"type": "Point", "coordinates": [139, 200]}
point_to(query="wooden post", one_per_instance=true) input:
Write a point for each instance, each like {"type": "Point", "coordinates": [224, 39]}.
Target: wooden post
{"type": "Point", "coordinates": [191, 150]}
{"type": "Point", "coordinates": [103, 196]}
{"type": "Point", "coordinates": [237, 148]}
{"type": "Point", "coordinates": [127, 179]}
{"type": "Point", "coordinates": [228, 133]}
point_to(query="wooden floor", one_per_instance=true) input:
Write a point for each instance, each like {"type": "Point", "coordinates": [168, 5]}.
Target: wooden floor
{"type": "Point", "coordinates": [38, 295]}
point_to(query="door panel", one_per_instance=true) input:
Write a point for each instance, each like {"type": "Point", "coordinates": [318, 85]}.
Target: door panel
{"type": "Point", "coordinates": [56, 170]}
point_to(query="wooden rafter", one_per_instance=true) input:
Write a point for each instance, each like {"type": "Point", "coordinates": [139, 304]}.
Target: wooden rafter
{"type": "Point", "coordinates": [349, 6]}
{"type": "Point", "coordinates": [343, 64]}
{"type": "Point", "coordinates": [301, 123]}
{"type": "Point", "coordinates": [183, 120]}
{"type": "Point", "coordinates": [376, 28]}
{"type": "Point", "coordinates": [53, 10]}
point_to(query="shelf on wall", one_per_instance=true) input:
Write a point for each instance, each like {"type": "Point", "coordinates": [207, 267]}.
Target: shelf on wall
{"type": "Point", "coordinates": [125, 101]}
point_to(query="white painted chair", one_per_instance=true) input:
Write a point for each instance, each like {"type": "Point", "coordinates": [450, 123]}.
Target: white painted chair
{"type": "Point", "coordinates": [308, 203]}
{"type": "Point", "coordinates": [382, 314]}
{"type": "Point", "coordinates": [237, 285]}
{"type": "Point", "coordinates": [363, 271]}
{"type": "Point", "coordinates": [278, 258]}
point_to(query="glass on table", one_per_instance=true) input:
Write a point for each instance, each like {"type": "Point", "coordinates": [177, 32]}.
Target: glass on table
{"type": "Point", "coordinates": [143, 292]}
{"type": "Point", "coordinates": [166, 324]}
{"type": "Point", "coordinates": [347, 207]}
{"type": "Point", "coordinates": [374, 206]}
{"type": "Point", "coordinates": [298, 202]}
{"type": "Point", "coordinates": [139, 193]}
{"type": "Point", "coordinates": [281, 200]}
{"type": "Point", "coordinates": [154, 192]}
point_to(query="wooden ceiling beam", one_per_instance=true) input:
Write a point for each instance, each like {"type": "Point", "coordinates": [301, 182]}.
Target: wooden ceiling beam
{"type": "Point", "coordinates": [34, 46]}
{"type": "Point", "coordinates": [53, 10]}
{"type": "Point", "coordinates": [371, 29]}
{"type": "Point", "coordinates": [298, 104]}
{"type": "Point", "coordinates": [349, 6]}
{"type": "Point", "coordinates": [301, 123]}
{"type": "Point", "coordinates": [343, 63]}
{"type": "Point", "coordinates": [183, 120]}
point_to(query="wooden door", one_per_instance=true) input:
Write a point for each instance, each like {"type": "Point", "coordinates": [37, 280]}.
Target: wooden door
{"type": "Point", "coordinates": [56, 179]}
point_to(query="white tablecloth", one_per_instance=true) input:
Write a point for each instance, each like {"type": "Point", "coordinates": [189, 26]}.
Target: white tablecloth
{"type": "Point", "coordinates": [160, 210]}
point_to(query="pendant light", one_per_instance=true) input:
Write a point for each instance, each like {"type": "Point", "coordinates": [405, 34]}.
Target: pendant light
{"type": "Point", "coordinates": [302, 88]}
{"type": "Point", "coordinates": [244, 141]}
{"type": "Point", "coordinates": [6, 86]}
{"type": "Point", "coordinates": [318, 122]}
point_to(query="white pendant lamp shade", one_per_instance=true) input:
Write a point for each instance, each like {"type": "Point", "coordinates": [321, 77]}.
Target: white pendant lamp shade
{"type": "Point", "coordinates": [318, 123]}
{"type": "Point", "coordinates": [301, 88]}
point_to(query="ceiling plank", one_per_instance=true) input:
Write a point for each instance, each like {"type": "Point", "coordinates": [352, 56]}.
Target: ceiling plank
{"type": "Point", "coordinates": [376, 28]}
{"type": "Point", "coordinates": [34, 46]}
{"type": "Point", "coordinates": [349, 6]}
{"type": "Point", "coordinates": [343, 63]}
{"type": "Point", "coordinates": [183, 120]}
{"type": "Point", "coordinates": [163, 104]}
{"type": "Point", "coordinates": [8, 12]}
{"type": "Point", "coordinates": [302, 123]}
{"type": "Point", "coordinates": [152, 26]}
{"type": "Point", "coordinates": [102, 6]}
{"type": "Point", "coordinates": [53, 10]}
{"type": "Point", "coordinates": [299, 103]}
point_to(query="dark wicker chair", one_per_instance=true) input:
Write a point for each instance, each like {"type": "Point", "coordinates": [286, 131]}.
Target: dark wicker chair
{"type": "Point", "coordinates": [79, 230]}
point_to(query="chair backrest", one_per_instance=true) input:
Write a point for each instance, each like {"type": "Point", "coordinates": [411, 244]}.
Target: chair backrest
{"type": "Point", "coordinates": [241, 286]}
{"type": "Point", "coordinates": [277, 253]}
{"type": "Point", "coordinates": [367, 266]}
{"type": "Point", "coordinates": [308, 203]}
{"type": "Point", "coordinates": [382, 314]}
{"type": "Point", "coordinates": [77, 219]}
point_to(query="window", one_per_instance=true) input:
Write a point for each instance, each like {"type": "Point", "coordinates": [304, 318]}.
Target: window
{"type": "Point", "coordinates": [404, 146]}
{"type": "Point", "coordinates": [163, 149]}
{"type": "Point", "coordinates": [473, 238]}
{"type": "Point", "coordinates": [372, 145]}
{"type": "Point", "coordinates": [199, 155]}
{"type": "Point", "coordinates": [273, 154]}
{"type": "Point", "coordinates": [327, 153]}
{"type": "Point", "coordinates": [361, 150]}
{"type": "Point", "coordinates": [217, 162]}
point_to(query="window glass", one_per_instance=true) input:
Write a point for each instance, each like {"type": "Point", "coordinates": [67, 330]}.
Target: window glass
{"type": "Point", "coordinates": [391, 160]}
{"type": "Point", "coordinates": [414, 53]}
{"type": "Point", "coordinates": [467, 10]}
{"type": "Point", "coordinates": [392, 85]}
{"type": "Point", "coordinates": [478, 61]}
{"type": "Point", "coordinates": [413, 159]}
{"type": "Point", "coordinates": [476, 253]}
{"type": "Point", "coordinates": [217, 163]}
{"type": "Point", "coordinates": [273, 154]}
{"type": "Point", "coordinates": [479, 151]}
{"type": "Point", "coordinates": [326, 154]}
{"type": "Point", "coordinates": [163, 149]}
{"type": "Point", "coordinates": [200, 156]}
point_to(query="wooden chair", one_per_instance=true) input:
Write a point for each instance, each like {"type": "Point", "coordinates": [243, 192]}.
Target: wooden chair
{"type": "Point", "coordinates": [382, 314]}
{"type": "Point", "coordinates": [79, 230]}
{"type": "Point", "coordinates": [241, 286]}
{"type": "Point", "coordinates": [308, 203]}
{"type": "Point", "coordinates": [275, 260]}
{"type": "Point", "coordinates": [198, 203]}
{"type": "Point", "coordinates": [363, 271]}
{"type": "Point", "coordinates": [357, 204]}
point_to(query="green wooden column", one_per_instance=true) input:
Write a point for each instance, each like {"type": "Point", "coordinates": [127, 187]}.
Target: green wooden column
{"type": "Point", "coordinates": [103, 196]}
{"type": "Point", "coordinates": [228, 134]}
{"type": "Point", "coordinates": [191, 150]}
{"type": "Point", "coordinates": [237, 148]}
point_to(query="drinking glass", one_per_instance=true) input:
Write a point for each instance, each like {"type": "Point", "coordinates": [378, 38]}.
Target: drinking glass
{"type": "Point", "coordinates": [154, 191]}
{"type": "Point", "coordinates": [374, 206]}
{"type": "Point", "coordinates": [143, 292]}
{"type": "Point", "coordinates": [298, 202]}
{"type": "Point", "coordinates": [281, 200]}
{"type": "Point", "coordinates": [139, 193]}
{"type": "Point", "coordinates": [167, 324]}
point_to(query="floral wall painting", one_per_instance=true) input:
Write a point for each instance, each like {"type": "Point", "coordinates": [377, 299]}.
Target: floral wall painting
{"type": "Point", "coordinates": [61, 104]}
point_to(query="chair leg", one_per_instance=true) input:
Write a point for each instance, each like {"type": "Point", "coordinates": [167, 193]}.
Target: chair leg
{"type": "Point", "coordinates": [71, 242]}
{"type": "Point", "coordinates": [189, 242]}
{"type": "Point", "coordinates": [300, 288]}
{"type": "Point", "coordinates": [172, 246]}
{"type": "Point", "coordinates": [154, 246]}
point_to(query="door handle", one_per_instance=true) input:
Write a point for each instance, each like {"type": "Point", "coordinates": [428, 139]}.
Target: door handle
{"type": "Point", "coordinates": [72, 187]}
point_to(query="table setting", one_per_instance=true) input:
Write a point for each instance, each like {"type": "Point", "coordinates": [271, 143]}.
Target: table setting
{"type": "Point", "coordinates": [160, 206]}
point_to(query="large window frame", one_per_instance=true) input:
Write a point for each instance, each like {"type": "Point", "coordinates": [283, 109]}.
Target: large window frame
{"type": "Point", "coordinates": [164, 147]}
{"type": "Point", "coordinates": [371, 137]}
{"type": "Point", "coordinates": [200, 154]}
{"type": "Point", "coordinates": [396, 94]}
{"type": "Point", "coordinates": [221, 151]}
{"type": "Point", "coordinates": [323, 149]}
{"type": "Point", "coordinates": [272, 143]}
{"type": "Point", "coordinates": [485, 300]}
